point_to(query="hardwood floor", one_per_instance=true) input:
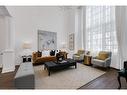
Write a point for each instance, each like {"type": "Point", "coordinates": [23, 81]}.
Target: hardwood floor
{"type": "Point", "coordinates": [106, 81]}
{"type": "Point", "coordinates": [7, 79]}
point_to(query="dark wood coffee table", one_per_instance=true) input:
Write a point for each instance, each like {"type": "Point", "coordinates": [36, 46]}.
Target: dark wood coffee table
{"type": "Point", "coordinates": [53, 65]}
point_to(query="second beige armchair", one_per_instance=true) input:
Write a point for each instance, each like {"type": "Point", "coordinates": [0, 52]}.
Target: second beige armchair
{"type": "Point", "coordinates": [103, 59]}
{"type": "Point", "coordinates": [79, 56]}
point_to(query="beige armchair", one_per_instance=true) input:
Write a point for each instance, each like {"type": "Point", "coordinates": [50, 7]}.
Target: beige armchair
{"type": "Point", "coordinates": [103, 59]}
{"type": "Point", "coordinates": [79, 56]}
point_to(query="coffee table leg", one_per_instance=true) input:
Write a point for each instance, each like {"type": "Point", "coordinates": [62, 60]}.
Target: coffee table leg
{"type": "Point", "coordinates": [44, 67]}
{"type": "Point", "coordinates": [75, 66]}
{"type": "Point", "coordinates": [48, 72]}
{"type": "Point", "coordinates": [119, 82]}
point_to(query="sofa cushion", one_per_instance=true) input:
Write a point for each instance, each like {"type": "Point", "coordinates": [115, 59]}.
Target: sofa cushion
{"type": "Point", "coordinates": [98, 62]}
{"type": "Point", "coordinates": [45, 59]}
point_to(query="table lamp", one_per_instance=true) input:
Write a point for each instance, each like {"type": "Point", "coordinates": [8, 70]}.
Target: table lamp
{"type": "Point", "coordinates": [27, 48]}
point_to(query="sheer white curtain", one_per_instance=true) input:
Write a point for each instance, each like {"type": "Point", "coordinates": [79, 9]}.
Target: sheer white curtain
{"type": "Point", "coordinates": [121, 30]}
{"type": "Point", "coordinates": [78, 29]}
{"type": "Point", "coordinates": [101, 30]}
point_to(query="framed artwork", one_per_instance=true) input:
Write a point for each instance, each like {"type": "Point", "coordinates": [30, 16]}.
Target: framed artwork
{"type": "Point", "coordinates": [47, 40]}
{"type": "Point", "coordinates": [71, 41]}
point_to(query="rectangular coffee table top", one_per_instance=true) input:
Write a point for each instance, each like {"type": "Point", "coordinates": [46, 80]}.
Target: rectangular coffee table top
{"type": "Point", "coordinates": [50, 64]}
{"type": "Point", "coordinates": [55, 63]}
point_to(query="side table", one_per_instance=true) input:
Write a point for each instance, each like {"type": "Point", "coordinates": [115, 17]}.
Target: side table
{"type": "Point", "coordinates": [87, 60]}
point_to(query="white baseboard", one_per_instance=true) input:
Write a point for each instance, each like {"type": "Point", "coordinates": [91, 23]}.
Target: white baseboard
{"type": "Point", "coordinates": [6, 70]}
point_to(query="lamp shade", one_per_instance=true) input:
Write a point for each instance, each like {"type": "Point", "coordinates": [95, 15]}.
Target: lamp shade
{"type": "Point", "coordinates": [63, 45]}
{"type": "Point", "coordinates": [26, 45]}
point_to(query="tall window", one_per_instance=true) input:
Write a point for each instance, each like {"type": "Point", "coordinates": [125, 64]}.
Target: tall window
{"type": "Point", "coordinates": [100, 28]}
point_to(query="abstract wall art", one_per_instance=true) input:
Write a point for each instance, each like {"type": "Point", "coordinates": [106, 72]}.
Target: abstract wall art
{"type": "Point", "coordinates": [47, 40]}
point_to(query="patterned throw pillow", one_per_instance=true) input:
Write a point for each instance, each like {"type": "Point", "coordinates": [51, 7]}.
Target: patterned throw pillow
{"type": "Point", "coordinates": [39, 54]}
{"type": "Point", "coordinates": [52, 53]}
{"type": "Point", "coordinates": [59, 57]}
{"type": "Point", "coordinates": [45, 53]}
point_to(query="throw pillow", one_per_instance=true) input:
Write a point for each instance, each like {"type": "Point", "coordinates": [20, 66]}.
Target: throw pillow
{"type": "Point", "coordinates": [56, 51]}
{"type": "Point", "coordinates": [59, 57]}
{"type": "Point", "coordinates": [52, 53]}
{"type": "Point", "coordinates": [45, 53]}
{"type": "Point", "coordinates": [39, 54]}
{"type": "Point", "coordinates": [102, 55]}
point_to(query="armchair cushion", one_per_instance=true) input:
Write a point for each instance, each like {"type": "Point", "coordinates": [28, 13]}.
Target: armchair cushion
{"type": "Point", "coordinates": [98, 62]}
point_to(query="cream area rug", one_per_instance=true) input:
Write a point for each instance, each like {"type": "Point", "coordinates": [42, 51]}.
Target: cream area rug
{"type": "Point", "coordinates": [70, 78]}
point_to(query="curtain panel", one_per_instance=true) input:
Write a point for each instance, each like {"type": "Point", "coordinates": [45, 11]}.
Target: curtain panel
{"type": "Point", "coordinates": [121, 31]}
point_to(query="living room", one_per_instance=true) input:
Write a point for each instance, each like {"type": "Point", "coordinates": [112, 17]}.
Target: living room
{"type": "Point", "coordinates": [24, 24]}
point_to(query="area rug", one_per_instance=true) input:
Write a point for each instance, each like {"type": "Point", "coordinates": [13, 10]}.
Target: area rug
{"type": "Point", "coordinates": [70, 78]}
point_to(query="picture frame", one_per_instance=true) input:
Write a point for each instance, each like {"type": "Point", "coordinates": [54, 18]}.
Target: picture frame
{"type": "Point", "coordinates": [47, 40]}
{"type": "Point", "coordinates": [71, 41]}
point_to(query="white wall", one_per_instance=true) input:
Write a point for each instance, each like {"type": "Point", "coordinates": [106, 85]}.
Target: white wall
{"type": "Point", "coordinates": [2, 37]}
{"type": "Point", "coordinates": [27, 20]}
{"type": "Point", "coordinates": [6, 40]}
{"type": "Point", "coordinates": [2, 34]}
{"type": "Point", "coordinates": [70, 27]}
{"type": "Point", "coordinates": [74, 26]}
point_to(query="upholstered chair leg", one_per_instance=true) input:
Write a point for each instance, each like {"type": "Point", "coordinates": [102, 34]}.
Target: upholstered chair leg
{"type": "Point", "coordinates": [126, 79]}
{"type": "Point", "coordinates": [119, 82]}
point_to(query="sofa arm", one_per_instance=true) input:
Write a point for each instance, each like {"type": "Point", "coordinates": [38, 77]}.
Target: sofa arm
{"type": "Point", "coordinates": [107, 59]}
{"type": "Point", "coordinates": [76, 54]}
{"type": "Point", "coordinates": [34, 57]}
